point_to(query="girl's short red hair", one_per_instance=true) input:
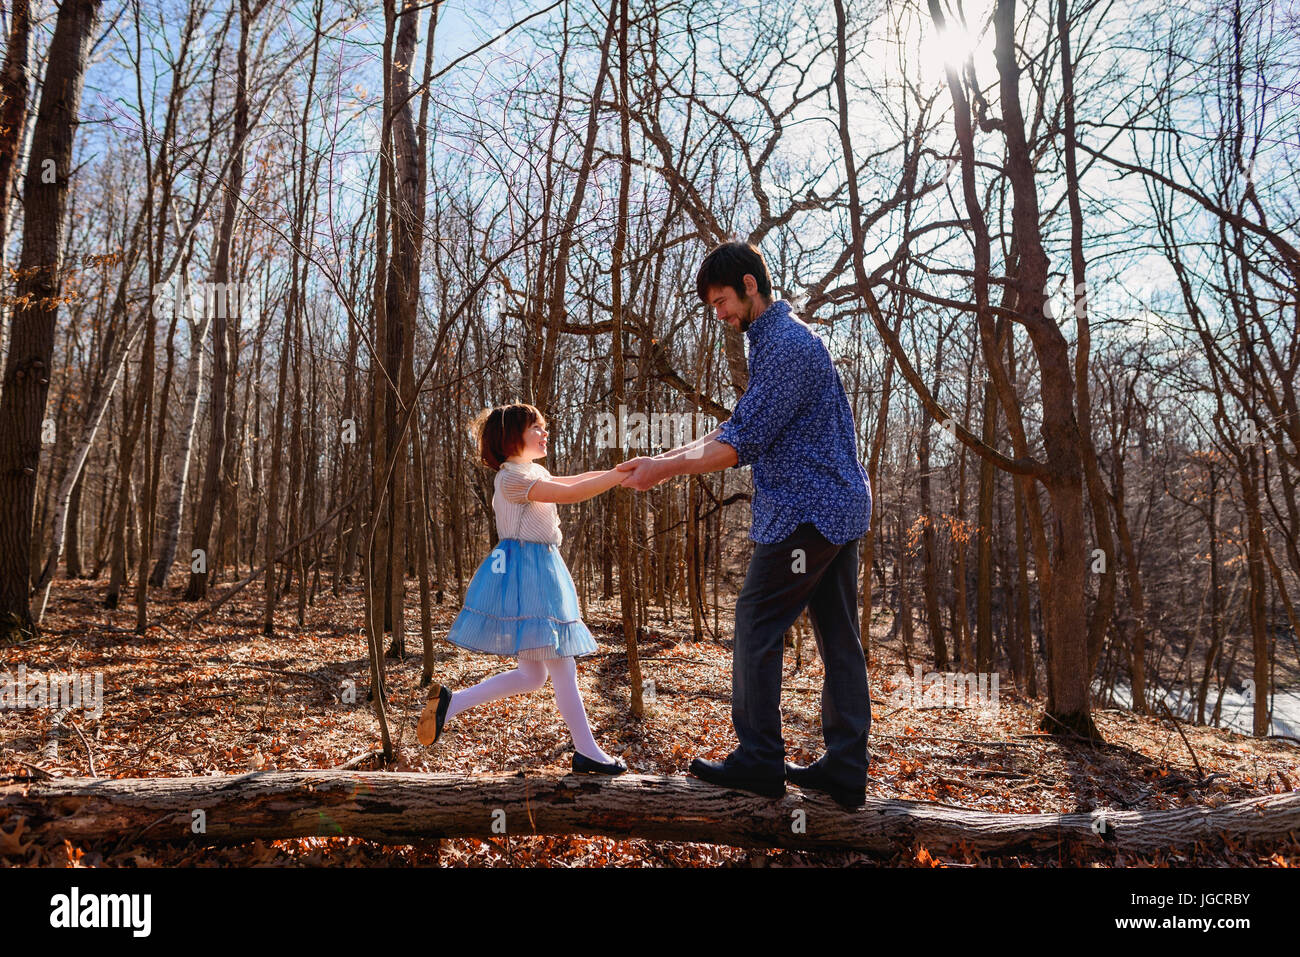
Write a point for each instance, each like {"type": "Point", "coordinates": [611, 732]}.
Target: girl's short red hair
{"type": "Point", "coordinates": [499, 433]}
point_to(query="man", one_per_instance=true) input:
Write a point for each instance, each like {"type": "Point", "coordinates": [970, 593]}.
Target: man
{"type": "Point", "coordinates": [812, 502]}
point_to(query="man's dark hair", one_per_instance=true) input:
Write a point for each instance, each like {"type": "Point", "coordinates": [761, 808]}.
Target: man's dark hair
{"type": "Point", "coordinates": [728, 265]}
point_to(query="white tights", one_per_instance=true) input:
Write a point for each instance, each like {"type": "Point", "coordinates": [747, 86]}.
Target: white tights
{"type": "Point", "coordinates": [531, 676]}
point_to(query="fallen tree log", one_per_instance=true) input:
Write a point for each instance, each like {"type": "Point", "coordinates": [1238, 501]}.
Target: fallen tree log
{"type": "Point", "coordinates": [399, 808]}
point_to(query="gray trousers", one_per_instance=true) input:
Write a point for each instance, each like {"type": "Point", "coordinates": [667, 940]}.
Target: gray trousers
{"type": "Point", "coordinates": [803, 570]}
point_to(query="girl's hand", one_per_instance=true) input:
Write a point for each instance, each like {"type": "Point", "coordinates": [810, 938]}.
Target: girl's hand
{"type": "Point", "coordinates": [643, 473]}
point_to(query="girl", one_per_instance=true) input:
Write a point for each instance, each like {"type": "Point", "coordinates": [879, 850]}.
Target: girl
{"type": "Point", "coordinates": [521, 602]}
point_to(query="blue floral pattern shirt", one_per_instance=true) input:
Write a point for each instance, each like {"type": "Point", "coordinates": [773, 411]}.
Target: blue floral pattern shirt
{"type": "Point", "coordinates": [794, 427]}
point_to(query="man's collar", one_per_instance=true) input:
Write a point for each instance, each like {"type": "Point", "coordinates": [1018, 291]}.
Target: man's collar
{"type": "Point", "coordinates": [780, 309]}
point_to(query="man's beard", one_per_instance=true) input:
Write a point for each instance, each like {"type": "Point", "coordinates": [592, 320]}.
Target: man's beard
{"type": "Point", "coordinates": [746, 320]}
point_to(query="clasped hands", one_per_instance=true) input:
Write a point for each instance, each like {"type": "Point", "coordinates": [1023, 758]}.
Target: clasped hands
{"type": "Point", "coordinates": [644, 472]}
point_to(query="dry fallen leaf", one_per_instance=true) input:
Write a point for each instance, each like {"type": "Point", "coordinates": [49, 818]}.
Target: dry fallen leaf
{"type": "Point", "coordinates": [11, 843]}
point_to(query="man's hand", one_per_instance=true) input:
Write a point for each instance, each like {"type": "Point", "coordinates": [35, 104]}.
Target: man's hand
{"type": "Point", "coordinates": [643, 473]}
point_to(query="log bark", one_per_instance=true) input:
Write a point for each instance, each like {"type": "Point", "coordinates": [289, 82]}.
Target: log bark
{"type": "Point", "coordinates": [404, 807]}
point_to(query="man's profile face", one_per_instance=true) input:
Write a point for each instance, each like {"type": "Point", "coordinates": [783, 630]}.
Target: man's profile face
{"type": "Point", "coordinates": [735, 310]}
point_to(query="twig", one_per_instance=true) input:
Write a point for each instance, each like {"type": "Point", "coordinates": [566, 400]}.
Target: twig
{"type": "Point", "coordinates": [995, 773]}
{"type": "Point", "coordinates": [360, 759]}
{"type": "Point", "coordinates": [163, 625]}
{"type": "Point", "coordinates": [962, 785]}
{"type": "Point", "coordinates": [1284, 737]}
{"type": "Point", "coordinates": [1199, 773]}
{"type": "Point", "coordinates": [166, 733]}
{"type": "Point", "coordinates": [1142, 796]}
{"type": "Point", "coordinates": [270, 686]}
{"type": "Point", "coordinates": [85, 744]}
{"type": "Point", "coordinates": [38, 770]}
{"type": "Point", "coordinates": [932, 737]}
{"type": "Point", "coordinates": [118, 847]}
{"type": "Point", "coordinates": [1195, 784]}
{"type": "Point", "coordinates": [273, 671]}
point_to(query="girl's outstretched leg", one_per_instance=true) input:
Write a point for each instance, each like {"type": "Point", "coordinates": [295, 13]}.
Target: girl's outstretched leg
{"type": "Point", "coordinates": [564, 679]}
{"type": "Point", "coordinates": [528, 676]}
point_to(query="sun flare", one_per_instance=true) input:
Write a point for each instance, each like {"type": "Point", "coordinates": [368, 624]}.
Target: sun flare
{"type": "Point", "coordinates": [965, 36]}
{"type": "Point", "coordinates": [950, 47]}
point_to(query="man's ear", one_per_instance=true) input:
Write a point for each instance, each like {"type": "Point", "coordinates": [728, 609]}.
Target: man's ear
{"type": "Point", "coordinates": [751, 285]}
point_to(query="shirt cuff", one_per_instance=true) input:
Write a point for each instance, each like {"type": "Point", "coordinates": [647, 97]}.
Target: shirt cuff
{"type": "Point", "coordinates": [725, 438]}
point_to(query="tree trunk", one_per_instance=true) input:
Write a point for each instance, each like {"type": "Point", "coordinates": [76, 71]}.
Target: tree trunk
{"type": "Point", "coordinates": [1105, 607]}
{"type": "Point", "coordinates": [215, 467]}
{"type": "Point", "coordinates": [1258, 590]}
{"type": "Point", "coordinates": [623, 533]}
{"type": "Point", "coordinates": [100, 399]}
{"type": "Point", "coordinates": [13, 120]}
{"type": "Point", "coordinates": [175, 504]}
{"type": "Point", "coordinates": [124, 528]}
{"type": "Point", "coordinates": [402, 297]}
{"type": "Point", "coordinates": [1062, 583]}
{"type": "Point", "coordinates": [1023, 618]}
{"type": "Point", "coordinates": [31, 341]}
{"type": "Point", "coordinates": [929, 558]}
{"type": "Point", "coordinates": [72, 553]}
{"type": "Point", "coordinates": [537, 390]}
{"type": "Point", "coordinates": [984, 541]}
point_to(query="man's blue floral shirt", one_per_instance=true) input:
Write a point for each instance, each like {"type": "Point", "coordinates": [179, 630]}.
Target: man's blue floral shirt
{"type": "Point", "coordinates": [794, 427]}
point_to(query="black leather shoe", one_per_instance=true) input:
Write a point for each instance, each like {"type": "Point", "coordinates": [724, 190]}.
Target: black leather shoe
{"type": "Point", "coordinates": [814, 778]}
{"type": "Point", "coordinates": [584, 765]}
{"type": "Point", "coordinates": [434, 717]}
{"type": "Point", "coordinates": [716, 772]}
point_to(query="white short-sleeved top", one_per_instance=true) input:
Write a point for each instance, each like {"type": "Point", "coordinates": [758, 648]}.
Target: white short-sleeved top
{"type": "Point", "coordinates": [517, 517]}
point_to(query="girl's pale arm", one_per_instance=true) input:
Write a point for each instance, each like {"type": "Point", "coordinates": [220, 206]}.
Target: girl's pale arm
{"type": "Point", "coordinates": [585, 486]}
{"type": "Point", "coordinates": [570, 479]}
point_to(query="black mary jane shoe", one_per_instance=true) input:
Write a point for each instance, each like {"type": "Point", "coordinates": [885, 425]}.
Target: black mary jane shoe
{"type": "Point", "coordinates": [429, 730]}
{"type": "Point", "coordinates": [585, 765]}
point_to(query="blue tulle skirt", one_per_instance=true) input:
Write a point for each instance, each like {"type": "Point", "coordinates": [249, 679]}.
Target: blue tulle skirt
{"type": "Point", "coordinates": [522, 602]}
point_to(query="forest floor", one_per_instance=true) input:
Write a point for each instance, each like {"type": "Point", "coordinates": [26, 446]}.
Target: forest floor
{"type": "Point", "coordinates": [221, 698]}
